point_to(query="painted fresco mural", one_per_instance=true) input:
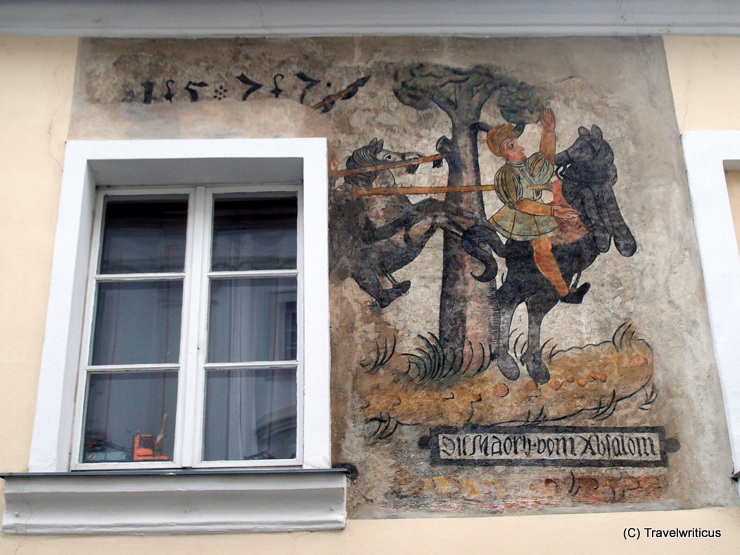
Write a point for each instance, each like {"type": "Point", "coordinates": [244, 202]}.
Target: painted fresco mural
{"type": "Point", "coordinates": [498, 250]}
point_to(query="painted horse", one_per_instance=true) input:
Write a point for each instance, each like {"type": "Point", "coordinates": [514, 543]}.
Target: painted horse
{"type": "Point", "coordinates": [588, 175]}
{"type": "Point", "coordinates": [380, 234]}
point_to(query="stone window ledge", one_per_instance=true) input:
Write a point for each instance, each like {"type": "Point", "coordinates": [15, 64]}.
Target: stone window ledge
{"type": "Point", "coordinates": [175, 502]}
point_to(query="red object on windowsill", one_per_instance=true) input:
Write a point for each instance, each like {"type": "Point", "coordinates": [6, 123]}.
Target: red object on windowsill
{"type": "Point", "coordinates": [146, 449]}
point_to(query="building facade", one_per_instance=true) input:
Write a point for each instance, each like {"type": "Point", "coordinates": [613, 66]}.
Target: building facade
{"type": "Point", "coordinates": [223, 313]}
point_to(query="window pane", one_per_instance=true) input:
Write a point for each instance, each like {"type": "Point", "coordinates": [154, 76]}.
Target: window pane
{"type": "Point", "coordinates": [250, 414]}
{"type": "Point", "coordinates": [144, 236]}
{"type": "Point", "coordinates": [130, 417]}
{"type": "Point", "coordinates": [254, 234]}
{"type": "Point", "coordinates": [252, 320]}
{"type": "Point", "coordinates": [137, 322]}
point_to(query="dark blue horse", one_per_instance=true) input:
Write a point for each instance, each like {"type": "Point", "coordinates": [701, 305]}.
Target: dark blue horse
{"type": "Point", "coordinates": [377, 235]}
{"type": "Point", "coordinates": [588, 173]}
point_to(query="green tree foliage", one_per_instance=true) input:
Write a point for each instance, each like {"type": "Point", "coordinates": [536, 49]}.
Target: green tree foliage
{"type": "Point", "coordinates": [426, 85]}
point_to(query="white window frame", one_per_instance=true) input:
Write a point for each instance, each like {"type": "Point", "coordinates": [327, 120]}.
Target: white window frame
{"type": "Point", "coordinates": [708, 155]}
{"type": "Point", "coordinates": [89, 164]}
{"type": "Point", "coordinates": [74, 502]}
{"type": "Point", "coordinates": [188, 437]}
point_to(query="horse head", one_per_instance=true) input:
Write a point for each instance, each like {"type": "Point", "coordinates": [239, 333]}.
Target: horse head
{"type": "Point", "coordinates": [373, 154]}
{"type": "Point", "coordinates": [588, 172]}
{"type": "Point", "coordinates": [589, 158]}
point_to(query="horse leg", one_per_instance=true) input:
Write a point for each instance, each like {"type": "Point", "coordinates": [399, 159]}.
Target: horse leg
{"type": "Point", "coordinates": [507, 302]}
{"type": "Point", "coordinates": [427, 212]}
{"type": "Point", "coordinates": [403, 286]}
{"type": "Point", "coordinates": [601, 234]}
{"type": "Point", "coordinates": [419, 229]}
{"type": "Point", "coordinates": [537, 307]}
{"type": "Point", "coordinates": [370, 284]}
{"type": "Point", "coordinates": [371, 234]}
{"type": "Point", "coordinates": [420, 221]}
{"type": "Point", "coordinates": [447, 216]}
{"type": "Point", "coordinates": [623, 238]}
{"type": "Point", "coordinates": [366, 276]}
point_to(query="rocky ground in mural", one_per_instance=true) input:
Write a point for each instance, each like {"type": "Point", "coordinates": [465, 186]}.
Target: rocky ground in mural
{"type": "Point", "coordinates": [590, 380]}
{"type": "Point", "coordinates": [596, 385]}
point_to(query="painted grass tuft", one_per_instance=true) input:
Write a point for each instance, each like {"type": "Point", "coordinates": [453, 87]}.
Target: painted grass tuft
{"type": "Point", "coordinates": [431, 362]}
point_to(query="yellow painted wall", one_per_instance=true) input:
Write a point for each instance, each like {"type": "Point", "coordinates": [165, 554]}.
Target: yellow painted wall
{"type": "Point", "coordinates": [35, 108]}
{"type": "Point", "coordinates": [705, 78]}
{"type": "Point", "coordinates": [35, 103]}
{"type": "Point", "coordinates": [555, 534]}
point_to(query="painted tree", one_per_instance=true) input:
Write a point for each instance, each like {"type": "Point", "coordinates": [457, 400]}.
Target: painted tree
{"type": "Point", "coordinates": [467, 314]}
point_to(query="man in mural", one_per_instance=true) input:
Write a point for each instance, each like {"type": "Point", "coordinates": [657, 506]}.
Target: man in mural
{"type": "Point", "coordinates": [519, 184]}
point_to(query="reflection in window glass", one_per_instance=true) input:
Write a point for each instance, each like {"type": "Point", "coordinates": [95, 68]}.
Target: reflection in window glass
{"type": "Point", "coordinates": [144, 236]}
{"type": "Point", "coordinates": [254, 234]}
{"type": "Point", "coordinates": [250, 414]}
{"type": "Point", "coordinates": [137, 322]}
{"type": "Point", "coordinates": [130, 417]}
{"type": "Point", "coordinates": [252, 319]}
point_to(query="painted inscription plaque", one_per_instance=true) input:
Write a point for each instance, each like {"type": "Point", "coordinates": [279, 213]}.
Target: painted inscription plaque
{"type": "Point", "coordinates": [551, 446]}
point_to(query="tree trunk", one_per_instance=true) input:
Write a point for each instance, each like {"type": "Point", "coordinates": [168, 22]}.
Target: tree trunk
{"type": "Point", "coordinates": [466, 309]}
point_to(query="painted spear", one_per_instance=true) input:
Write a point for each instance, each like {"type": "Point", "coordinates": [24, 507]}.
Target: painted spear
{"type": "Point", "coordinates": [436, 158]}
{"type": "Point", "coordinates": [390, 165]}
{"type": "Point", "coordinates": [421, 190]}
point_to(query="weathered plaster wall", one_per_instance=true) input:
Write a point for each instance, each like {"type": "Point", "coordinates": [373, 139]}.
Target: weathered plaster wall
{"type": "Point", "coordinates": [177, 89]}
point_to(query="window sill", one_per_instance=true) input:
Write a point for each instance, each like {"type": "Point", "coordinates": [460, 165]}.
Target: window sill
{"type": "Point", "coordinates": [175, 502]}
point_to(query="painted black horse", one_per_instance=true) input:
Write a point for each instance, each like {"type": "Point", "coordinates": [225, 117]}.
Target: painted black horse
{"type": "Point", "coordinates": [379, 234]}
{"type": "Point", "coordinates": [588, 173]}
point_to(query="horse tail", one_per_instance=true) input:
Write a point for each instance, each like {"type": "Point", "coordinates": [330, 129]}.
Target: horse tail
{"type": "Point", "coordinates": [475, 240]}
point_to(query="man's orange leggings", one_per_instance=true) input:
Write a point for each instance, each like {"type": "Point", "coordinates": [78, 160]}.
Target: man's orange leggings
{"type": "Point", "coordinates": [546, 263]}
